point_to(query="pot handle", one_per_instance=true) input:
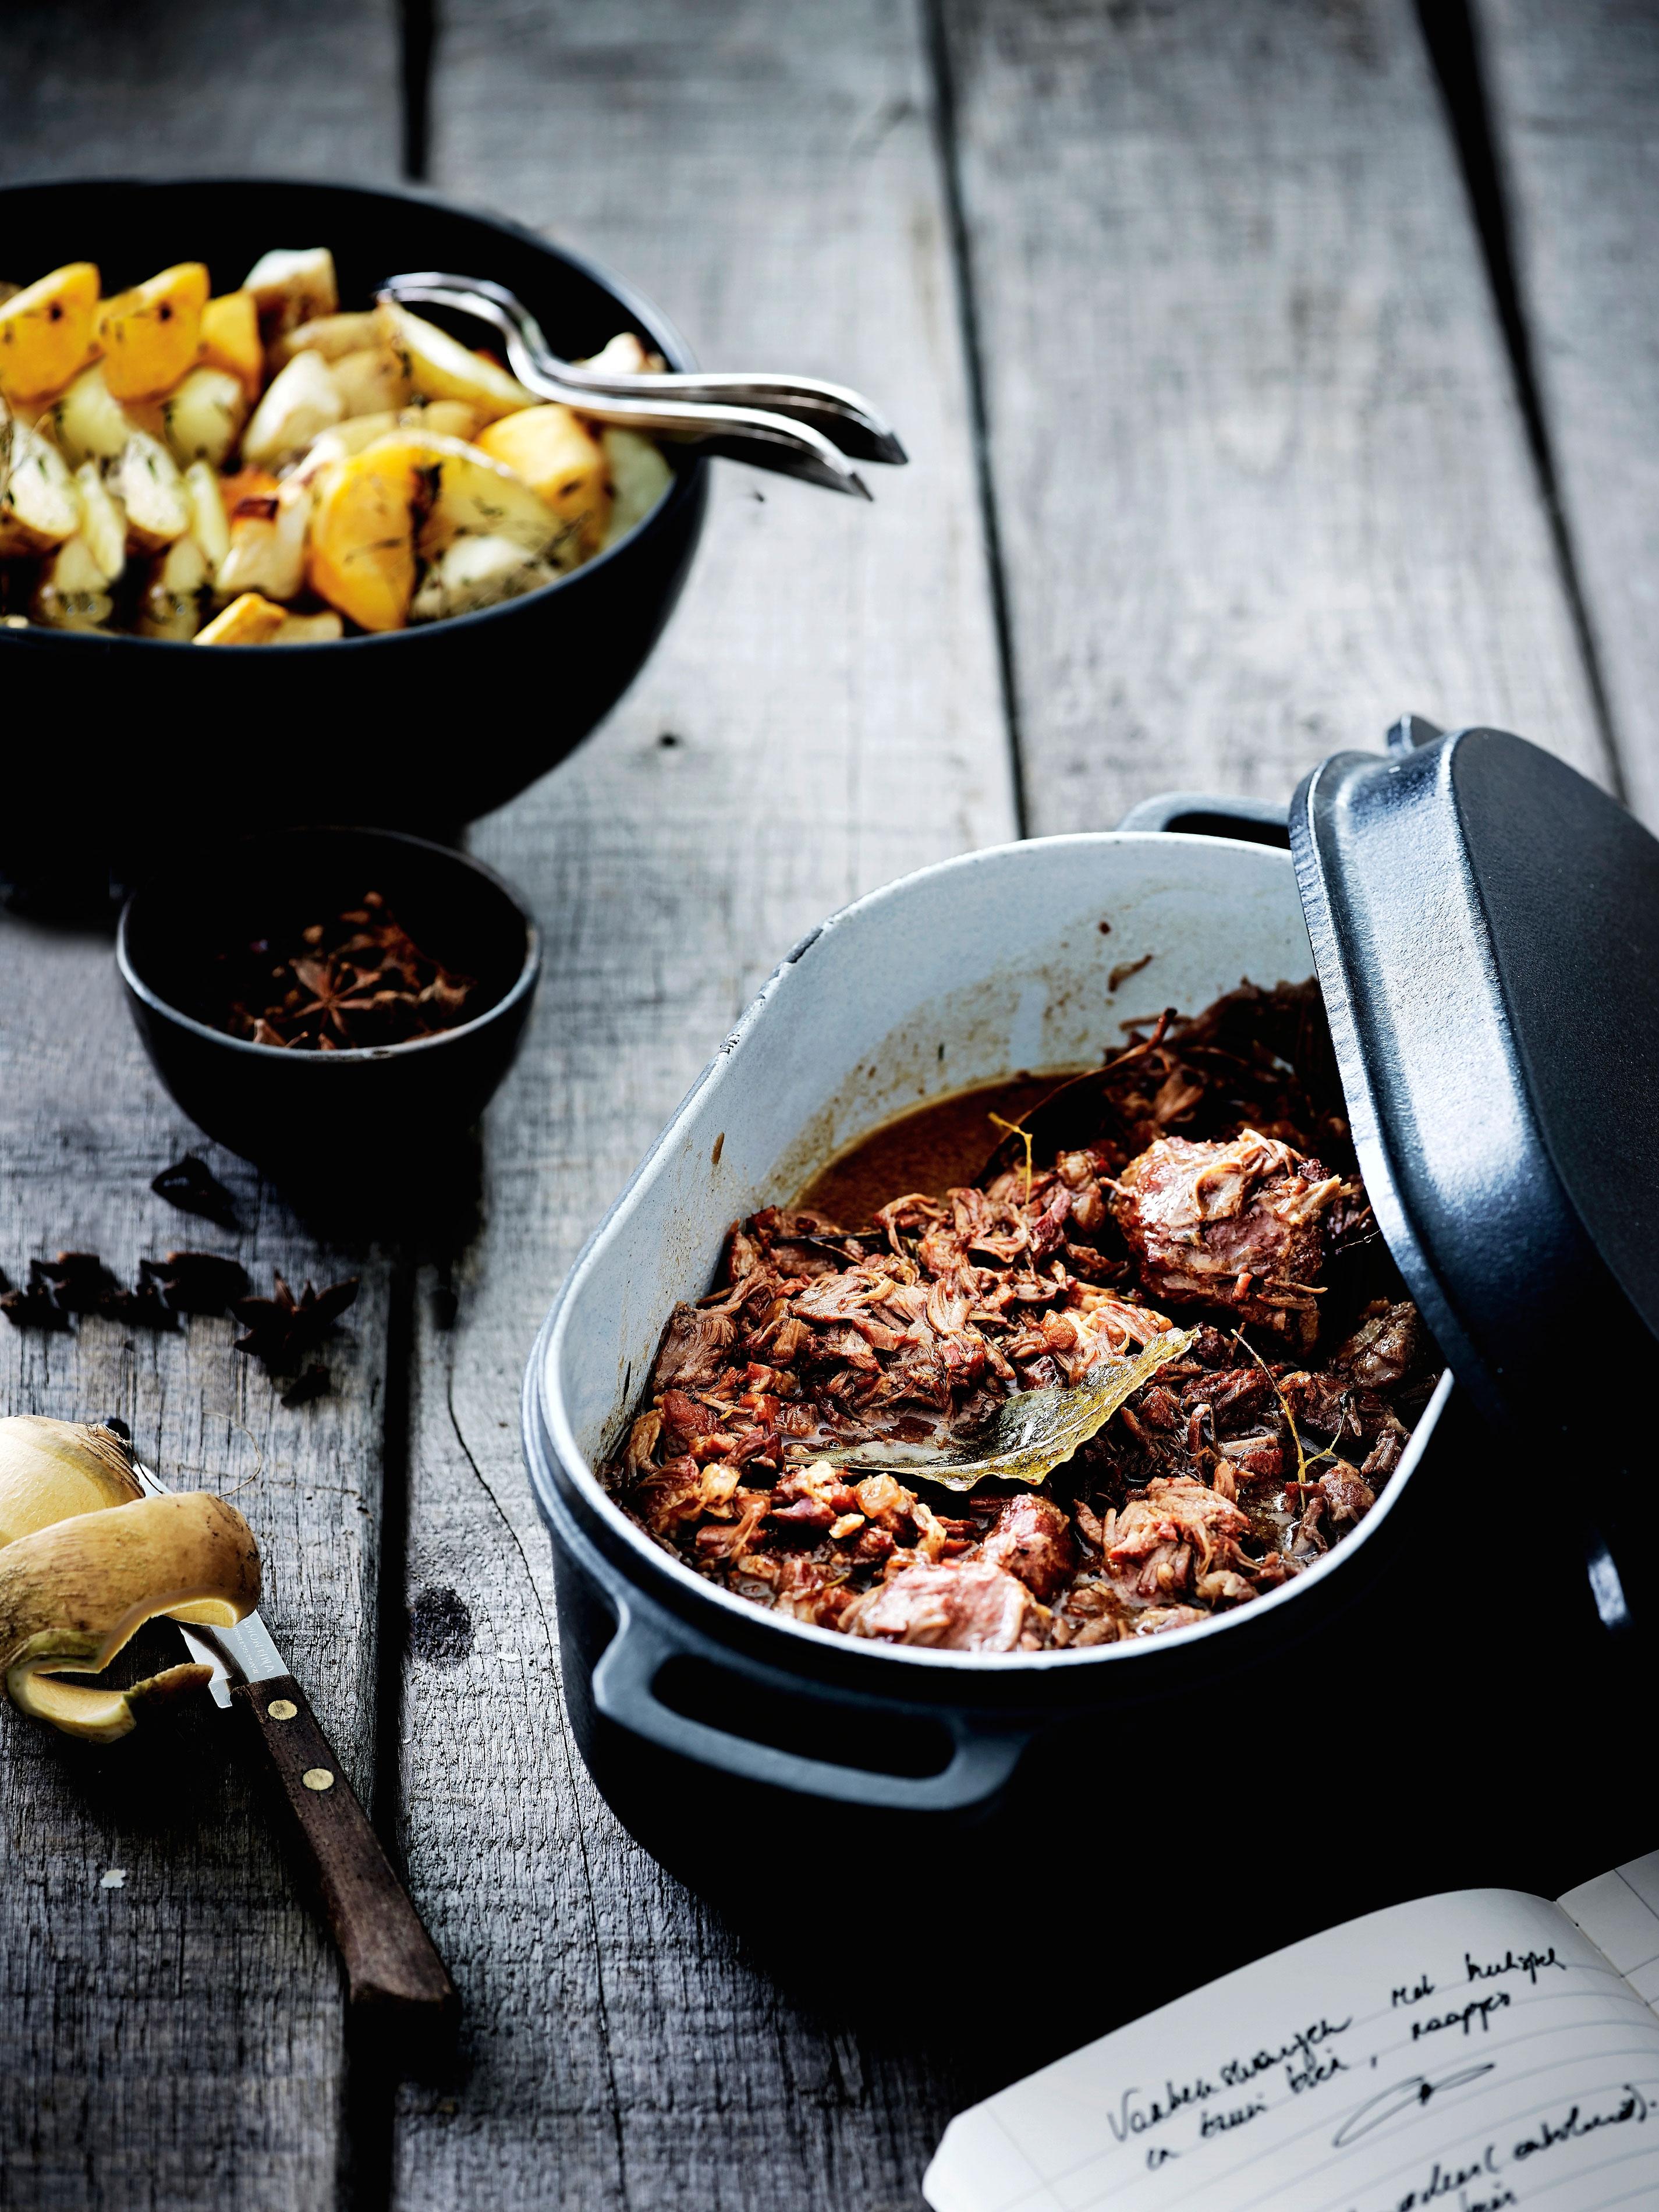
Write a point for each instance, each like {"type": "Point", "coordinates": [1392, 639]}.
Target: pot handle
{"type": "Point", "coordinates": [983, 1759]}
{"type": "Point", "coordinates": [1255, 821]}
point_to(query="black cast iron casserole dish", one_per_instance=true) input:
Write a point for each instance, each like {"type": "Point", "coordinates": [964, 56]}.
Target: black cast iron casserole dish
{"type": "Point", "coordinates": [128, 740]}
{"type": "Point", "coordinates": [1358, 1716]}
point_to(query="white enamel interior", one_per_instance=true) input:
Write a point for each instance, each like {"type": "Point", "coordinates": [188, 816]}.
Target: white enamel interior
{"type": "Point", "coordinates": [959, 974]}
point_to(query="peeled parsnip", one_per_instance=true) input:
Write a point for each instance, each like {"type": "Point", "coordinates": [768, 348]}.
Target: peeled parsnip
{"type": "Point", "coordinates": [85, 1558]}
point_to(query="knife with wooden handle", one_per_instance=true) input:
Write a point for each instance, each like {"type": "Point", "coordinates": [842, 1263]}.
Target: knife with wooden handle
{"type": "Point", "coordinates": [392, 1968]}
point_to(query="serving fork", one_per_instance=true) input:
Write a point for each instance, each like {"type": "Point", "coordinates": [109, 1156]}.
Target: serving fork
{"type": "Point", "coordinates": [798, 426]}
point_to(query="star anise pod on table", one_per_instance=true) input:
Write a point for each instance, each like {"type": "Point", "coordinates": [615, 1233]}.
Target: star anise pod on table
{"type": "Point", "coordinates": [192, 1186]}
{"type": "Point", "coordinates": [30, 1308]}
{"type": "Point", "coordinates": [280, 1330]}
{"type": "Point", "coordinates": [195, 1282]}
{"type": "Point", "coordinates": [76, 1282]}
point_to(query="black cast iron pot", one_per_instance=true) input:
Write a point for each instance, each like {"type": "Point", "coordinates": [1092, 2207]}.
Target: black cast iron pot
{"type": "Point", "coordinates": [121, 749]}
{"type": "Point", "coordinates": [1374, 1729]}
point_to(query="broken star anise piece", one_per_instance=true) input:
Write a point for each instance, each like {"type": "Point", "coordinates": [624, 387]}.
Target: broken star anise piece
{"type": "Point", "coordinates": [76, 1282]}
{"type": "Point", "coordinates": [30, 1308]}
{"type": "Point", "coordinates": [139, 1309]}
{"type": "Point", "coordinates": [194, 1282]}
{"type": "Point", "coordinates": [281, 1328]}
{"type": "Point", "coordinates": [190, 1185]}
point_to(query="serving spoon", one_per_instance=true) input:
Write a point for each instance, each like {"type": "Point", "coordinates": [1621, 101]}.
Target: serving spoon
{"type": "Point", "coordinates": [796, 426]}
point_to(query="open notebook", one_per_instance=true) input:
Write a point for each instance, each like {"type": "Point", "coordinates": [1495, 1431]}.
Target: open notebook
{"type": "Point", "coordinates": [1464, 2053]}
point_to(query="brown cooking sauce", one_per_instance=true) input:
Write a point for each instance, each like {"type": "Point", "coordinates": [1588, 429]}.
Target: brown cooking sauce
{"type": "Point", "coordinates": [930, 1149]}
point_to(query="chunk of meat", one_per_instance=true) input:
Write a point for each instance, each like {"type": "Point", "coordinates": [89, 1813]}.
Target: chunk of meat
{"type": "Point", "coordinates": [1348, 1494]}
{"type": "Point", "coordinates": [966, 1606]}
{"type": "Point", "coordinates": [1385, 1347]}
{"type": "Point", "coordinates": [813, 1497]}
{"type": "Point", "coordinates": [1032, 1539]}
{"type": "Point", "coordinates": [1234, 1224]}
{"type": "Point", "coordinates": [694, 1348]}
{"type": "Point", "coordinates": [1174, 1532]}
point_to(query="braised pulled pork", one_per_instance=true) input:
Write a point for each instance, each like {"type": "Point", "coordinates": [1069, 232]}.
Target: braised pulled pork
{"type": "Point", "coordinates": [1207, 1170]}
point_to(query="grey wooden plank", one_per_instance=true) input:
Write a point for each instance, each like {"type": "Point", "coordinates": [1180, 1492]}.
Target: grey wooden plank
{"type": "Point", "coordinates": [766, 172]}
{"type": "Point", "coordinates": [177, 2041]}
{"type": "Point", "coordinates": [166, 2042]}
{"type": "Point", "coordinates": [1574, 95]}
{"type": "Point", "coordinates": [1261, 479]}
{"type": "Point", "coordinates": [208, 87]}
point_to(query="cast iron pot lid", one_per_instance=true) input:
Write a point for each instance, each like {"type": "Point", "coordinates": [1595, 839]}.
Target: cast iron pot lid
{"type": "Point", "coordinates": [1485, 926]}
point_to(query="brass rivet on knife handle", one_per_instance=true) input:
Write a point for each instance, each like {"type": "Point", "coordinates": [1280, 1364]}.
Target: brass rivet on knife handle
{"type": "Point", "coordinates": [391, 1966]}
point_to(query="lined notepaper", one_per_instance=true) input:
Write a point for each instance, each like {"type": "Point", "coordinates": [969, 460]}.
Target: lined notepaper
{"type": "Point", "coordinates": [1465, 2053]}
{"type": "Point", "coordinates": [1619, 1913]}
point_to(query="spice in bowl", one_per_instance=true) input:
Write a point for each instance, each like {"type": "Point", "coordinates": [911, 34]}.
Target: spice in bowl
{"type": "Point", "coordinates": [348, 984]}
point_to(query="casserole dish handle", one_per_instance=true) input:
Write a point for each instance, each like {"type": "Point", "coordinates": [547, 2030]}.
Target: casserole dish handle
{"type": "Point", "coordinates": [1200, 813]}
{"type": "Point", "coordinates": [983, 1755]}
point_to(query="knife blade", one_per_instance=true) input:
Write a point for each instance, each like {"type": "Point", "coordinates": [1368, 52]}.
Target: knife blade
{"type": "Point", "coordinates": [392, 1967]}
{"type": "Point", "coordinates": [244, 1653]}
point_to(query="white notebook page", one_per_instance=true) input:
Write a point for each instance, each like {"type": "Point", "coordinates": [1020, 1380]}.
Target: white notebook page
{"type": "Point", "coordinates": [1619, 1913]}
{"type": "Point", "coordinates": [1464, 2053]}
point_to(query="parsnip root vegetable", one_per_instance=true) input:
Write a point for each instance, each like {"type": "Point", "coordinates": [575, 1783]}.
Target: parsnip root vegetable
{"type": "Point", "coordinates": [72, 1595]}
{"type": "Point", "coordinates": [291, 286]}
{"type": "Point", "coordinates": [51, 1471]}
{"type": "Point", "coordinates": [248, 620]}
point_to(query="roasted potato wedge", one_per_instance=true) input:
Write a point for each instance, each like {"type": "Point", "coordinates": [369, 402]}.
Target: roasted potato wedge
{"type": "Point", "coordinates": [332, 335]}
{"type": "Point", "coordinates": [478, 572]}
{"type": "Point", "coordinates": [41, 505]}
{"type": "Point", "coordinates": [73, 591]}
{"type": "Point", "coordinates": [362, 535]}
{"type": "Point", "coordinates": [302, 400]}
{"type": "Point", "coordinates": [444, 418]}
{"type": "Point", "coordinates": [565, 463]}
{"type": "Point", "coordinates": [146, 481]}
{"type": "Point", "coordinates": [89, 422]}
{"type": "Point", "coordinates": [372, 382]}
{"type": "Point", "coordinates": [47, 333]}
{"type": "Point", "coordinates": [231, 340]}
{"type": "Point", "coordinates": [291, 286]}
{"type": "Point", "coordinates": [248, 620]}
{"type": "Point", "coordinates": [638, 477]}
{"type": "Point", "coordinates": [175, 596]}
{"type": "Point", "coordinates": [472, 495]}
{"type": "Point", "coordinates": [441, 367]}
{"type": "Point", "coordinates": [267, 551]}
{"type": "Point", "coordinates": [203, 418]}
{"type": "Point", "coordinates": [152, 334]}
{"type": "Point", "coordinates": [103, 521]}
{"type": "Point", "coordinates": [209, 525]}
{"type": "Point", "coordinates": [310, 630]}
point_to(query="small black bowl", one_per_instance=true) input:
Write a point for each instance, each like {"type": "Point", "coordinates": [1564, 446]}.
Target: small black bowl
{"type": "Point", "coordinates": [421, 729]}
{"type": "Point", "coordinates": [369, 1116]}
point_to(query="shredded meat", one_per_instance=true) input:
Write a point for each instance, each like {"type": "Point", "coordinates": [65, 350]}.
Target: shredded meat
{"type": "Point", "coordinates": [1203, 1177]}
{"type": "Point", "coordinates": [971, 1608]}
{"type": "Point", "coordinates": [1234, 1224]}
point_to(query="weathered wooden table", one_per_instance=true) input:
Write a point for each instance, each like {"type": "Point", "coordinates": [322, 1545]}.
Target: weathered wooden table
{"type": "Point", "coordinates": [1266, 369]}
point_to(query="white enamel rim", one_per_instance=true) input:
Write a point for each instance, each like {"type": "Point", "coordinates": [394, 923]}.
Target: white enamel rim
{"type": "Point", "coordinates": [720, 1072]}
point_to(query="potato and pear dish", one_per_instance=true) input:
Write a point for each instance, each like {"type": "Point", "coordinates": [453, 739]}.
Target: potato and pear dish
{"type": "Point", "coordinates": [259, 467]}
